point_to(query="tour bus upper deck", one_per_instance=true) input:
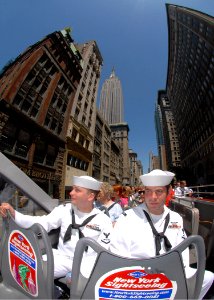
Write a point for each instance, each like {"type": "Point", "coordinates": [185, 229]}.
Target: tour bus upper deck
{"type": "Point", "coordinates": [28, 198]}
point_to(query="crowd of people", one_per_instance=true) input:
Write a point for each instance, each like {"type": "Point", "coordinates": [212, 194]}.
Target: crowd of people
{"type": "Point", "coordinates": [110, 215]}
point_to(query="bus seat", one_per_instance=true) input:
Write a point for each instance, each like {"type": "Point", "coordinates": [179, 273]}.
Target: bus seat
{"type": "Point", "coordinates": [25, 275]}
{"type": "Point", "coordinates": [107, 275]}
{"type": "Point", "coordinates": [54, 237]}
{"type": "Point", "coordinates": [190, 216]}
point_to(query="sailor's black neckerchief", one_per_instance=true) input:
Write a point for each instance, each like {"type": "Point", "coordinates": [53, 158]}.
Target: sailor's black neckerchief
{"type": "Point", "coordinates": [73, 225]}
{"type": "Point", "coordinates": [159, 235]}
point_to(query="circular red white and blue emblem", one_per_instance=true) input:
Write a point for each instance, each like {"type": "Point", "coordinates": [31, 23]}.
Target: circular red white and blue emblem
{"type": "Point", "coordinates": [134, 283]}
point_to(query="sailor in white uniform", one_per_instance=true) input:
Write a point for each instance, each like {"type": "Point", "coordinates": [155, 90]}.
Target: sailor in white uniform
{"type": "Point", "coordinates": [76, 219]}
{"type": "Point", "coordinates": [151, 228]}
{"type": "Point", "coordinates": [182, 190]}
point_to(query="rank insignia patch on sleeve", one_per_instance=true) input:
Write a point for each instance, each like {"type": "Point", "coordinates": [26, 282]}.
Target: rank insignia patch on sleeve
{"type": "Point", "coordinates": [106, 240]}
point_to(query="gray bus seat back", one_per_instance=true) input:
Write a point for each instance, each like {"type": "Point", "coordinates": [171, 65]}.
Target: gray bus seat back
{"type": "Point", "coordinates": [170, 264]}
{"type": "Point", "coordinates": [190, 216]}
{"type": "Point", "coordinates": [157, 266]}
{"type": "Point", "coordinates": [53, 237]}
{"type": "Point", "coordinates": [22, 268]}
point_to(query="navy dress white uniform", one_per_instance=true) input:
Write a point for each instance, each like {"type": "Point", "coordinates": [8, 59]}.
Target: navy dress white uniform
{"type": "Point", "coordinates": [99, 228]}
{"type": "Point", "coordinates": [136, 240]}
{"type": "Point", "coordinates": [113, 211]}
{"type": "Point", "coordinates": [182, 191]}
{"type": "Point", "coordinates": [133, 236]}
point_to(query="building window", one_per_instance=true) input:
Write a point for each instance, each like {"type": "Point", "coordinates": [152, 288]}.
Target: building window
{"type": "Point", "coordinates": [76, 114]}
{"type": "Point", "coordinates": [87, 144]}
{"type": "Point", "coordinates": [53, 124]}
{"type": "Point", "coordinates": [40, 151]}
{"type": "Point", "coordinates": [8, 137]}
{"type": "Point", "coordinates": [77, 163]}
{"type": "Point", "coordinates": [81, 139]}
{"type": "Point", "coordinates": [85, 107]}
{"type": "Point", "coordinates": [22, 143]}
{"type": "Point", "coordinates": [45, 154]}
{"type": "Point", "coordinates": [51, 155]}
{"type": "Point", "coordinates": [74, 134]}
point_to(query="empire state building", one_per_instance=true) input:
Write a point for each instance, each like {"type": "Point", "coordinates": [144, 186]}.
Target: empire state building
{"type": "Point", "coordinates": [111, 100]}
{"type": "Point", "coordinates": [112, 110]}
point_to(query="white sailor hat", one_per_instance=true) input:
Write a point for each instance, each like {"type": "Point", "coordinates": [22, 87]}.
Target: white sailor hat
{"type": "Point", "coordinates": [157, 178]}
{"type": "Point", "coordinates": [87, 182]}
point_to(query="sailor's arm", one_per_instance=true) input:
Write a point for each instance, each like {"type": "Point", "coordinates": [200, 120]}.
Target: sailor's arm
{"type": "Point", "coordinates": [50, 221]}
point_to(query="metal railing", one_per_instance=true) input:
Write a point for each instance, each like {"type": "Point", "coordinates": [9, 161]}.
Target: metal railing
{"type": "Point", "coordinates": [201, 190]}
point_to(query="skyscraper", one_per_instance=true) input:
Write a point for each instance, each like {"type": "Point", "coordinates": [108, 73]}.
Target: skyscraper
{"type": "Point", "coordinates": [37, 94]}
{"type": "Point", "coordinates": [168, 145]}
{"type": "Point", "coordinates": [81, 129]}
{"type": "Point", "coordinates": [112, 110]}
{"type": "Point", "coordinates": [111, 100]}
{"type": "Point", "coordinates": [190, 88]}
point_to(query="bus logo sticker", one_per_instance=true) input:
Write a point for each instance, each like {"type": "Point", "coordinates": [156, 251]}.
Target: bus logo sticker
{"type": "Point", "coordinates": [23, 262]}
{"type": "Point", "coordinates": [134, 283]}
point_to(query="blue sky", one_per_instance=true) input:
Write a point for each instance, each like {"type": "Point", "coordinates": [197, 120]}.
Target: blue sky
{"type": "Point", "coordinates": [132, 36]}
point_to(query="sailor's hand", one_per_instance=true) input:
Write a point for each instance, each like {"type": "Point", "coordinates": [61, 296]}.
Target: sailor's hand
{"type": "Point", "coordinates": [6, 207]}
